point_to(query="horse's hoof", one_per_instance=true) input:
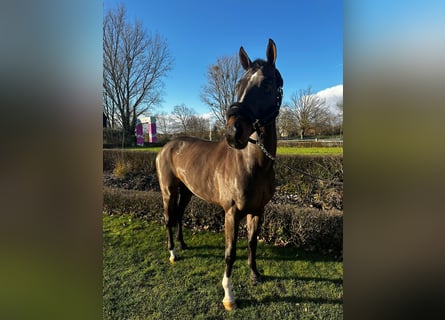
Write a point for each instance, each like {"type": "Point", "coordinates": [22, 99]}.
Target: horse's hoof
{"type": "Point", "coordinates": [229, 305]}
{"type": "Point", "coordinates": [173, 259]}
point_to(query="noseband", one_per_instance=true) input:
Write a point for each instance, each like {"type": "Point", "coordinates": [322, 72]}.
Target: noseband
{"type": "Point", "coordinates": [236, 109]}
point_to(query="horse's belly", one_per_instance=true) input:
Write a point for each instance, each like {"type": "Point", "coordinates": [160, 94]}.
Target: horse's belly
{"type": "Point", "coordinates": [254, 199]}
{"type": "Point", "coordinates": [248, 195]}
{"type": "Point", "coordinates": [204, 191]}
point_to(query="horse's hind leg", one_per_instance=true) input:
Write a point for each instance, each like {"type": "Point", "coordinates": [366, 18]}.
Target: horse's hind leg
{"type": "Point", "coordinates": [253, 226]}
{"type": "Point", "coordinates": [170, 199]}
{"type": "Point", "coordinates": [184, 198]}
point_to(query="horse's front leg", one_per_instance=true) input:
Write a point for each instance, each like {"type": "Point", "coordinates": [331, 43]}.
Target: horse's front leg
{"type": "Point", "coordinates": [231, 231]}
{"type": "Point", "coordinates": [253, 226]}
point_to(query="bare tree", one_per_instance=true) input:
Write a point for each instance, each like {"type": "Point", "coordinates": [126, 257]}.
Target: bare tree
{"type": "Point", "coordinates": [134, 64]}
{"type": "Point", "coordinates": [339, 106]}
{"type": "Point", "coordinates": [338, 120]}
{"type": "Point", "coordinates": [183, 115]}
{"type": "Point", "coordinates": [339, 115]}
{"type": "Point", "coordinates": [110, 111]}
{"type": "Point", "coordinates": [220, 91]}
{"type": "Point", "coordinates": [199, 127]}
{"type": "Point", "coordinates": [309, 110]}
{"type": "Point", "coordinates": [286, 122]}
{"type": "Point", "coordinates": [163, 123]}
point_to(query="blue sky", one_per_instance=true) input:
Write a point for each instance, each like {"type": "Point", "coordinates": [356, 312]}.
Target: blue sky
{"type": "Point", "coordinates": [308, 35]}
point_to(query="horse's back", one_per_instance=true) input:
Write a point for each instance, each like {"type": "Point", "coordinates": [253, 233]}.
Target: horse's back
{"type": "Point", "coordinates": [184, 149]}
{"type": "Point", "coordinates": [185, 155]}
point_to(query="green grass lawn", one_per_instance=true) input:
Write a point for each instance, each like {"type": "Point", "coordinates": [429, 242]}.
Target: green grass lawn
{"type": "Point", "coordinates": [280, 150]}
{"type": "Point", "coordinates": [140, 283]}
{"type": "Point", "coordinates": [310, 151]}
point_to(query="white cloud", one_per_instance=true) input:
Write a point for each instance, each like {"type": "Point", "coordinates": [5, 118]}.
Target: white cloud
{"type": "Point", "coordinates": [332, 96]}
{"type": "Point", "coordinates": [207, 116]}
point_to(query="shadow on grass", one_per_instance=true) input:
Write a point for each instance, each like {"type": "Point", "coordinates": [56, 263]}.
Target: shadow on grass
{"type": "Point", "coordinates": [205, 247]}
{"type": "Point", "coordinates": [294, 254]}
{"type": "Point", "coordinates": [203, 251]}
{"type": "Point", "coordinates": [264, 252]}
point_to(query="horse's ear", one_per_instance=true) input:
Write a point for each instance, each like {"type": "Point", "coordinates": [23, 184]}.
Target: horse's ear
{"type": "Point", "coordinates": [244, 58]}
{"type": "Point", "coordinates": [271, 52]}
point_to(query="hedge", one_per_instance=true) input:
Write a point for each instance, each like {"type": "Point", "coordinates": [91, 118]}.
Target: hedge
{"type": "Point", "coordinates": [327, 167]}
{"type": "Point", "coordinates": [304, 190]}
{"type": "Point", "coordinates": [305, 213]}
{"type": "Point", "coordinates": [285, 225]}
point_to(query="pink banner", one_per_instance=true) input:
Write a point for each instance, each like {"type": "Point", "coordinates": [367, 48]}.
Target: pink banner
{"type": "Point", "coordinates": [152, 130]}
{"type": "Point", "coordinates": [139, 134]}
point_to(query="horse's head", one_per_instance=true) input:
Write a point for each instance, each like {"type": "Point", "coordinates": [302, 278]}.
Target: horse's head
{"type": "Point", "coordinates": [259, 98]}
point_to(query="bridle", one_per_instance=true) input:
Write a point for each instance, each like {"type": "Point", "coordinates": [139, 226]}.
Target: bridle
{"type": "Point", "coordinates": [258, 121]}
{"type": "Point", "coordinates": [236, 109]}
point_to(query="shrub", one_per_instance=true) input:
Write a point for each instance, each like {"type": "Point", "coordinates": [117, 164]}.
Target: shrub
{"type": "Point", "coordinates": [113, 138]}
{"type": "Point", "coordinates": [306, 228]}
{"type": "Point", "coordinates": [285, 225]}
{"type": "Point", "coordinates": [122, 169]}
{"type": "Point", "coordinates": [306, 191]}
{"type": "Point", "coordinates": [311, 221]}
{"type": "Point", "coordinates": [141, 162]}
{"type": "Point", "coordinates": [147, 204]}
{"type": "Point", "coordinates": [312, 192]}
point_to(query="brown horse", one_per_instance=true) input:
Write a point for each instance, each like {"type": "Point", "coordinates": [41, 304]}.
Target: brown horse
{"type": "Point", "coordinates": [232, 173]}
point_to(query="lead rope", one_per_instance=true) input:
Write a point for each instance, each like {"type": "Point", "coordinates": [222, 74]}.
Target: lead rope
{"type": "Point", "coordinates": [271, 157]}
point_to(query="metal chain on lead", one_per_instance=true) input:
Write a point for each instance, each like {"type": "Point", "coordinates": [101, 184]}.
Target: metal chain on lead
{"type": "Point", "coordinates": [271, 157]}
{"type": "Point", "coordinates": [263, 148]}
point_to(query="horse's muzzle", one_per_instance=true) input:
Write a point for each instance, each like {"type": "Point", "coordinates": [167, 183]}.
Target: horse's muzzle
{"type": "Point", "coordinates": [236, 144]}
{"type": "Point", "coordinates": [235, 139]}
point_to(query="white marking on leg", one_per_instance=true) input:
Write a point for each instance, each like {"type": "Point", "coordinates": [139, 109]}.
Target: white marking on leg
{"type": "Point", "coordinates": [228, 295]}
{"type": "Point", "coordinates": [172, 255]}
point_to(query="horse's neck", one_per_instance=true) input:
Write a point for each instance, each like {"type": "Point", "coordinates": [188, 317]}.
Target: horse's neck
{"type": "Point", "coordinates": [268, 139]}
